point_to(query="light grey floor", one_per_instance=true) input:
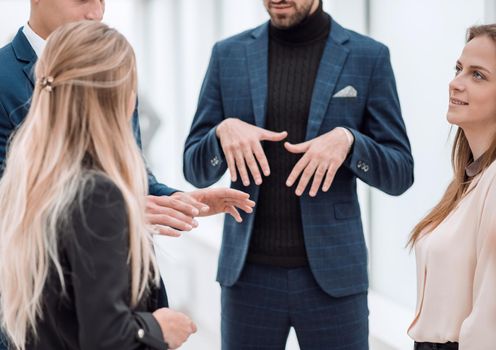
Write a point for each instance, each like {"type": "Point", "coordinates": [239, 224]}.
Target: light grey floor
{"type": "Point", "coordinates": [205, 342]}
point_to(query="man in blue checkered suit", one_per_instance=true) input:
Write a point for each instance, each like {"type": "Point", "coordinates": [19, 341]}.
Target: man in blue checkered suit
{"type": "Point", "coordinates": [296, 110]}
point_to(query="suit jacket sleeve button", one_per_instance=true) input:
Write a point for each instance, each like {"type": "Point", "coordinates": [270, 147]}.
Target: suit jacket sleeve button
{"type": "Point", "coordinates": [214, 161]}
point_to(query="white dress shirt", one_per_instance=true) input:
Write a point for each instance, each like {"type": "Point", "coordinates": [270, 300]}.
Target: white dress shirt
{"type": "Point", "coordinates": [36, 41]}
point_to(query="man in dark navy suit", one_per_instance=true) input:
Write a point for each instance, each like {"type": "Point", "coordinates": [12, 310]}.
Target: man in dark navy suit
{"type": "Point", "coordinates": [168, 210]}
{"type": "Point", "coordinates": [314, 106]}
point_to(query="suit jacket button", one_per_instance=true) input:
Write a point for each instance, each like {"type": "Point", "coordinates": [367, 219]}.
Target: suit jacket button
{"type": "Point", "coordinates": [141, 333]}
{"type": "Point", "coordinates": [366, 168]}
{"type": "Point", "coordinates": [214, 161]}
{"type": "Point", "coordinates": [359, 164]}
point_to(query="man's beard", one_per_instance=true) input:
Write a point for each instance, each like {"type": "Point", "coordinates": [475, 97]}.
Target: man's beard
{"type": "Point", "coordinates": [287, 21]}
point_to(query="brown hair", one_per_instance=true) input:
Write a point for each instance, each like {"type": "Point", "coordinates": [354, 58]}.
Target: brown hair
{"type": "Point", "coordinates": [461, 156]}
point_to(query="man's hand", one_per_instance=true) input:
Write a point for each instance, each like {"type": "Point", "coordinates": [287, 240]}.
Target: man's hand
{"type": "Point", "coordinates": [241, 143]}
{"type": "Point", "coordinates": [176, 327]}
{"type": "Point", "coordinates": [168, 215]}
{"type": "Point", "coordinates": [322, 157]}
{"type": "Point", "coordinates": [224, 200]}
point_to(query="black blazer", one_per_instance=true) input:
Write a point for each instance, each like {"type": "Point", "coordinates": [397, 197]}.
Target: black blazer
{"type": "Point", "coordinates": [94, 313]}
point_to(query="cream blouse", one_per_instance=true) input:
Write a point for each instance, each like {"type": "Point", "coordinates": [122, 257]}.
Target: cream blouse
{"type": "Point", "coordinates": [456, 273]}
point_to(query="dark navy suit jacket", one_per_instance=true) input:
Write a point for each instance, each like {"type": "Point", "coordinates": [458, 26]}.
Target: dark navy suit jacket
{"type": "Point", "coordinates": [236, 86]}
{"type": "Point", "coordinates": [17, 61]}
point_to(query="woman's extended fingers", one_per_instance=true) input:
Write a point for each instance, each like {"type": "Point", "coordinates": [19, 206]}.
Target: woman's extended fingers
{"type": "Point", "coordinates": [247, 209]}
{"type": "Point", "coordinates": [232, 194]}
{"type": "Point", "coordinates": [238, 199]}
{"type": "Point", "coordinates": [231, 210]}
{"type": "Point", "coordinates": [190, 200]}
{"type": "Point", "coordinates": [245, 205]}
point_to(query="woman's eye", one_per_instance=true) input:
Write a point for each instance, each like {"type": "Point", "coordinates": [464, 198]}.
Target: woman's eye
{"type": "Point", "coordinates": [458, 69]}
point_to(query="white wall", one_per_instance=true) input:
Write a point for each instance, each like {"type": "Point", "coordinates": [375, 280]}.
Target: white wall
{"type": "Point", "coordinates": [490, 11]}
{"type": "Point", "coordinates": [13, 14]}
{"type": "Point", "coordinates": [425, 39]}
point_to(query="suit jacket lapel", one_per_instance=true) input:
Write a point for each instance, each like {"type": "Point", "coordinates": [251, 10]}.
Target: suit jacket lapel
{"type": "Point", "coordinates": [331, 65]}
{"type": "Point", "coordinates": [29, 71]}
{"type": "Point", "coordinates": [257, 54]}
{"type": "Point", "coordinates": [25, 53]}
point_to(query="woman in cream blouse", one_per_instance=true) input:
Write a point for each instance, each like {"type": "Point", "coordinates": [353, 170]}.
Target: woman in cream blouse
{"type": "Point", "coordinates": [455, 244]}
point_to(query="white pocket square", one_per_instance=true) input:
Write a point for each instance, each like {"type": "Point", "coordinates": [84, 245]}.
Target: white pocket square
{"type": "Point", "coordinates": [348, 91]}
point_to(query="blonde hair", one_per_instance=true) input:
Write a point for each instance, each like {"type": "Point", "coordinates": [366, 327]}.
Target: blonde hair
{"type": "Point", "coordinates": [79, 114]}
{"type": "Point", "coordinates": [461, 157]}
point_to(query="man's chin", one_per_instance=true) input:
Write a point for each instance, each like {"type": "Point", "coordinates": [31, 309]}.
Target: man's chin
{"type": "Point", "coordinates": [282, 22]}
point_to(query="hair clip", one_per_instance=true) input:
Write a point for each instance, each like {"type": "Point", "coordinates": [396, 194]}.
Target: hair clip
{"type": "Point", "coordinates": [46, 83]}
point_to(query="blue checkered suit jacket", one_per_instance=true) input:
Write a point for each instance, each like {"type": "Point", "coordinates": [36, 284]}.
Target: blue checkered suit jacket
{"type": "Point", "coordinates": [17, 61]}
{"type": "Point", "coordinates": [236, 86]}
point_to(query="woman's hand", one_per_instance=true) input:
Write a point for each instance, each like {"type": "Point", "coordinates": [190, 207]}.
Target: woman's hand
{"type": "Point", "coordinates": [176, 326]}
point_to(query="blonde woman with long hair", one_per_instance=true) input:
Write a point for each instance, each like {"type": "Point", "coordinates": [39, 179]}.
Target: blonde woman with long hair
{"type": "Point", "coordinates": [455, 243]}
{"type": "Point", "coordinates": [77, 268]}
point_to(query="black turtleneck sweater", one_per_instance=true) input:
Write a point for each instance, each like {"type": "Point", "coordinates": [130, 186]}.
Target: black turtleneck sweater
{"type": "Point", "coordinates": [294, 58]}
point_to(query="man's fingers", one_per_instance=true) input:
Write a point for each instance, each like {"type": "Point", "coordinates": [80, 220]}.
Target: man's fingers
{"type": "Point", "coordinates": [331, 172]}
{"type": "Point", "coordinates": [164, 231]}
{"type": "Point", "coordinates": [261, 158]}
{"type": "Point", "coordinates": [165, 220]}
{"type": "Point", "coordinates": [253, 166]}
{"type": "Point", "coordinates": [297, 148]}
{"type": "Point", "coordinates": [297, 169]}
{"type": "Point", "coordinates": [240, 165]}
{"type": "Point", "coordinates": [273, 136]}
{"type": "Point", "coordinates": [165, 212]}
{"type": "Point", "coordinates": [231, 165]}
{"type": "Point", "coordinates": [305, 178]}
{"type": "Point", "coordinates": [183, 204]}
{"type": "Point", "coordinates": [317, 179]}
